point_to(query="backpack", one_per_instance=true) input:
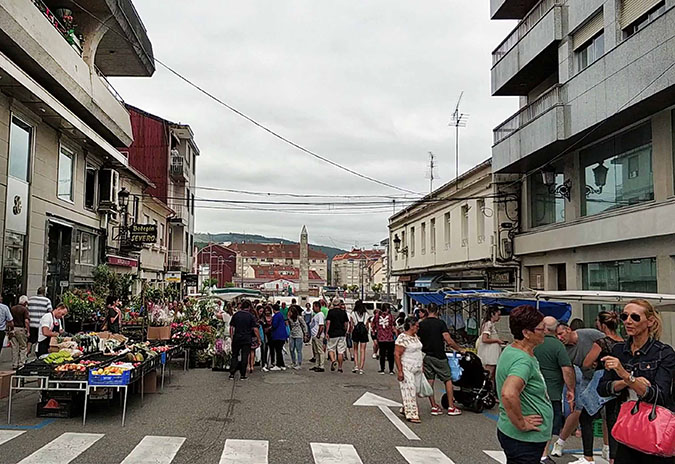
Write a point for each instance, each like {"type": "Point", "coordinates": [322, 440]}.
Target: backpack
{"type": "Point", "coordinates": [360, 331]}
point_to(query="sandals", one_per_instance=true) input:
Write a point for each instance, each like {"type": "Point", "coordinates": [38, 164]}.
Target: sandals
{"type": "Point", "coordinates": [414, 421]}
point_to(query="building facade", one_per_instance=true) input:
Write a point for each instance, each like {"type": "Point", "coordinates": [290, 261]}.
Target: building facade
{"type": "Point", "coordinates": [60, 124]}
{"type": "Point", "coordinates": [355, 268]}
{"type": "Point", "coordinates": [592, 144]}
{"type": "Point", "coordinates": [167, 153]}
{"type": "Point", "coordinates": [279, 279]}
{"type": "Point", "coordinates": [453, 238]}
{"type": "Point", "coordinates": [217, 262]}
{"type": "Point", "coordinates": [277, 254]}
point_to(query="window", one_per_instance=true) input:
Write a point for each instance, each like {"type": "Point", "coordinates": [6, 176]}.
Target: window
{"type": "Point", "coordinates": [154, 221]}
{"type": "Point", "coordinates": [412, 241]}
{"type": "Point", "coordinates": [65, 182]}
{"type": "Point", "coordinates": [644, 20]}
{"type": "Point", "coordinates": [480, 220]}
{"type": "Point", "coordinates": [424, 238]}
{"type": "Point", "coordinates": [85, 248]}
{"type": "Point", "coordinates": [545, 206]}
{"type": "Point", "coordinates": [618, 171]}
{"type": "Point", "coordinates": [446, 232]}
{"type": "Point", "coordinates": [432, 235]}
{"type": "Point", "coordinates": [90, 183]}
{"type": "Point", "coordinates": [20, 135]}
{"type": "Point", "coordinates": [161, 234]}
{"type": "Point", "coordinates": [631, 275]}
{"type": "Point", "coordinates": [465, 225]}
{"type": "Point", "coordinates": [192, 203]}
{"type": "Point", "coordinates": [590, 52]}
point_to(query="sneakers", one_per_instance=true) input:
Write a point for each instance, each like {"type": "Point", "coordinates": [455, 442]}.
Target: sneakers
{"type": "Point", "coordinates": [333, 366]}
{"type": "Point", "coordinates": [381, 372]}
{"type": "Point", "coordinates": [231, 377]}
{"type": "Point", "coordinates": [283, 368]}
{"type": "Point", "coordinates": [605, 452]}
{"type": "Point", "coordinates": [355, 370]}
{"type": "Point", "coordinates": [436, 411]}
{"type": "Point", "coordinates": [265, 369]}
{"type": "Point", "coordinates": [319, 369]}
{"type": "Point", "coordinates": [454, 412]}
{"type": "Point", "coordinates": [296, 367]}
{"type": "Point", "coordinates": [360, 371]}
{"type": "Point", "coordinates": [243, 378]}
{"type": "Point", "coordinates": [313, 360]}
{"type": "Point", "coordinates": [374, 355]}
{"type": "Point", "coordinates": [391, 372]}
{"type": "Point", "coordinates": [275, 368]}
{"type": "Point", "coordinates": [557, 450]}
{"type": "Point", "coordinates": [547, 460]}
{"type": "Point", "coordinates": [580, 461]}
{"type": "Point", "coordinates": [340, 370]}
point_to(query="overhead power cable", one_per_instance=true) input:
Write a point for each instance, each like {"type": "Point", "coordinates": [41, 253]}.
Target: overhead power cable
{"type": "Point", "coordinates": [250, 119]}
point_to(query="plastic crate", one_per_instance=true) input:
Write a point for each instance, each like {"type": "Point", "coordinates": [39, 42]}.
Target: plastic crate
{"type": "Point", "coordinates": [110, 380]}
{"type": "Point", "coordinates": [597, 428]}
{"type": "Point", "coordinates": [63, 410]}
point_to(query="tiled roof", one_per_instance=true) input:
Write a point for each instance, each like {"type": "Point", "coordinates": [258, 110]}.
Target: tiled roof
{"type": "Point", "coordinates": [274, 250]}
{"type": "Point", "coordinates": [281, 272]}
{"type": "Point", "coordinates": [360, 255]}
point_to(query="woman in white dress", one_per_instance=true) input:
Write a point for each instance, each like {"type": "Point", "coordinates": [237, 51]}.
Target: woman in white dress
{"type": "Point", "coordinates": [409, 357]}
{"type": "Point", "coordinates": [489, 343]}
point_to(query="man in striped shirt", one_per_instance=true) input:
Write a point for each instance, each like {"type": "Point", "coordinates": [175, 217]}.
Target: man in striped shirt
{"type": "Point", "coordinates": [38, 306]}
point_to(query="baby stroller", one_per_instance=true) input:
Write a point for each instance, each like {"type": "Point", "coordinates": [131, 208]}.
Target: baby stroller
{"type": "Point", "coordinates": [474, 389]}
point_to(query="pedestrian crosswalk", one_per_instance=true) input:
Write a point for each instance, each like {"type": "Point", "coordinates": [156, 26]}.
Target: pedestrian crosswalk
{"type": "Point", "coordinates": [151, 449]}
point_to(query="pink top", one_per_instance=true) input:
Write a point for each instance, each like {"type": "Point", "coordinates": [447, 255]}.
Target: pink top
{"type": "Point", "coordinates": [384, 325]}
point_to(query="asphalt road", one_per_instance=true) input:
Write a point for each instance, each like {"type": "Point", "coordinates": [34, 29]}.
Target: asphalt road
{"type": "Point", "coordinates": [287, 410]}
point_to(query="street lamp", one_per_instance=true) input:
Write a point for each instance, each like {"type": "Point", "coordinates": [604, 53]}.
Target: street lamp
{"type": "Point", "coordinates": [564, 190]}
{"type": "Point", "coordinates": [397, 242]}
{"type": "Point", "coordinates": [123, 198]}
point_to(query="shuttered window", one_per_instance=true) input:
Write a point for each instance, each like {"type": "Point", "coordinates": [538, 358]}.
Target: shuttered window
{"type": "Point", "coordinates": [588, 31]}
{"type": "Point", "coordinates": [632, 10]}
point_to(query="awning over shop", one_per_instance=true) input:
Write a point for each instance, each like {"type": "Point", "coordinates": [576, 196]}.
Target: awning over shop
{"type": "Point", "coordinates": [426, 281]}
{"type": "Point", "coordinates": [561, 311]}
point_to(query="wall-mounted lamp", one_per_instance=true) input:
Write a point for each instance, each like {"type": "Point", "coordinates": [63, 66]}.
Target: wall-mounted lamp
{"type": "Point", "coordinates": [563, 190]}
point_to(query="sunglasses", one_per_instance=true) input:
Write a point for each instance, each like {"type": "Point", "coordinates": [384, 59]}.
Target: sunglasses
{"type": "Point", "coordinates": [635, 317]}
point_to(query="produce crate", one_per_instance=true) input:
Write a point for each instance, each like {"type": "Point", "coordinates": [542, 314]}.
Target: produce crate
{"type": "Point", "coordinates": [110, 380]}
{"type": "Point", "coordinates": [597, 428]}
{"type": "Point", "coordinates": [69, 375]}
{"type": "Point", "coordinates": [63, 409]}
{"type": "Point", "coordinates": [36, 368]}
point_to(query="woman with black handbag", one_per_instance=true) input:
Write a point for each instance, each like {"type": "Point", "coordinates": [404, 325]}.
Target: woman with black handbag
{"type": "Point", "coordinates": [640, 372]}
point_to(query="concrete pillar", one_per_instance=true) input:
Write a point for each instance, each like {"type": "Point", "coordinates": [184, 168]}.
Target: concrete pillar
{"type": "Point", "coordinates": [304, 267]}
{"type": "Point", "coordinates": [613, 33]}
{"type": "Point", "coordinates": [662, 155]}
{"type": "Point", "coordinates": [665, 272]}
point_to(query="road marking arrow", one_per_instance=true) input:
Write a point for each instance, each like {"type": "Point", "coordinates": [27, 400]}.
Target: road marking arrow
{"type": "Point", "coordinates": [383, 404]}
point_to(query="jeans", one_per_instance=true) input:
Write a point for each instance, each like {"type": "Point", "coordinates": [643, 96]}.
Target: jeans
{"type": "Point", "coordinates": [296, 351]}
{"type": "Point", "coordinates": [520, 452]}
{"type": "Point", "coordinates": [277, 355]}
{"type": "Point", "coordinates": [245, 350]}
{"type": "Point", "coordinates": [386, 352]}
{"type": "Point", "coordinates": [264, 349]}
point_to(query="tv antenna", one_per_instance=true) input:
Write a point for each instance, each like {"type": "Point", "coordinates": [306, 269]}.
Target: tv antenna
{"type": "Point", "coordinates": [458, 120]}
{"type": "Point", "coordinates": [431, 173]}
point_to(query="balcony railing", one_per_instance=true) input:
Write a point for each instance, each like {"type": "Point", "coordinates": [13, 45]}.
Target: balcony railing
{"type": "Point", "coordinates": [532, 18]}
{"type": "Point", "coordinates": [177, 260]}
{"type": "Point", "coordinates": [541, 105]}
{"type": "Point", "coordinates": [66, 31]}
{"type": "Point", "coordinates": [179, 168]}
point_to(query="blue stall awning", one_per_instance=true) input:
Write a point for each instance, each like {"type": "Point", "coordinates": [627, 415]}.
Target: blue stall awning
{"type": "Point", "coordinates": [561, 311]}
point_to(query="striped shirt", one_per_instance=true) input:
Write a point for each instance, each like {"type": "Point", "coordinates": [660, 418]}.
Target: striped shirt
{"type": "Point", "coordinates": [38, 306]}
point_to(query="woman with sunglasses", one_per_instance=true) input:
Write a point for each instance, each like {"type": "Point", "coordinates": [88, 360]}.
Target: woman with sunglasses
{"type": "Point", "coordinates": [637, 367]}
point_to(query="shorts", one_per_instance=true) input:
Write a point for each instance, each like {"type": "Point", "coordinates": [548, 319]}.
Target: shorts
{"type": "Point", "coordinates": [33, 335]}
{"type": "Point", "coordinates": [363, 338]}
{"type": "Point", "coordinates": [558, 419]}
{"type": "Point", "coordinates": [435, 368]}
{"type": "Point", "coordinates": [337, 343]}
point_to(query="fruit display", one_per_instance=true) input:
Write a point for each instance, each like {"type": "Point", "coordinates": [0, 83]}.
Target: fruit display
{"type": "Point", "coordinates": [109, 370]}
{"type": "Point", "coordinates": [161, 349]}
{"type": "Point", "coordinates": [59, 357]}
{"type": "Point", "coordinates": [88, 363]}
{"type": "Point", "coordinates": [135, 357]}
{"type": "Point", "coordinates": [87, 343]}
{"type": "Point", "coordinates": [69, 367]}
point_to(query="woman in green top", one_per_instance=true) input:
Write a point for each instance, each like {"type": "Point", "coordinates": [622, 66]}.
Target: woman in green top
{"type": "Point", "coordinates": [525, 411]}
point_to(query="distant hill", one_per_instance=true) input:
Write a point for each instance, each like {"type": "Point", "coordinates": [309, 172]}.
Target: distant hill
{"type": "Point", "coordinates": [202, 240]}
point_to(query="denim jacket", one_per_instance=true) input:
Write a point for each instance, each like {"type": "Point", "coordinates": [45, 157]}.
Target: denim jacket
{"type": "Point", "coordinates": [655, 361]}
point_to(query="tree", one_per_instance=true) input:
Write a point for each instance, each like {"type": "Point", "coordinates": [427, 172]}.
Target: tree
{"type": "Point", "coordinates": [377, 288]}
{"type": "Point", "coordinates": [208, 283]}
{"type": "Point", "coordinates": [353, 288]}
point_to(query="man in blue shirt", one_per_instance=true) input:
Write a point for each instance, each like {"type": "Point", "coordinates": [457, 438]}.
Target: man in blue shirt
{"type": "Point", "coordinates": [6, 322]}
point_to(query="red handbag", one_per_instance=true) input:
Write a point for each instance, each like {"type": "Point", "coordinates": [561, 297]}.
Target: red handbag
{"type": "Point", "coordinates": [647, 428]}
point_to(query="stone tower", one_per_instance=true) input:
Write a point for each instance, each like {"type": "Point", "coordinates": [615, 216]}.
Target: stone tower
{"type": "Point", "coordinates": [304, 267]}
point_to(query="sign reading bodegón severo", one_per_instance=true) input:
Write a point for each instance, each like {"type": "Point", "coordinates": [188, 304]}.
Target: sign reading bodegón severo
{"type": "Point", "coordinates": [143, 233]}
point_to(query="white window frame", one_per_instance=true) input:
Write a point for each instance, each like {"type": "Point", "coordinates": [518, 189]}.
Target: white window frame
{"type": "Point", "coordinates": [64, 150]}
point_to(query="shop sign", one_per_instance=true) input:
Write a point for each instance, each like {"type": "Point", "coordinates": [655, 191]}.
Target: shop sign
{"type": "Point", "coordinates": [502, 278]}
{"type": "Point", "coordinates": [143, 233]}
{"type": "Point", "coordinates": [190, 280]}
{"type": "Point", "coordinates": [120, 261]}
{"type": "Point", "coordinates": [405, 278]}
{"type": "Point", "coordinates": [173, 277]}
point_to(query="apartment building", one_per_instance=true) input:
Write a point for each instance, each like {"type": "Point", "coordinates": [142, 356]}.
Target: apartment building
{"type": "Point", "coordinates": [216, 262]}
{"type": "Point", "coordinates": [592, 143]}
{"type": "Point", "coordinates": [277, 254]}
{"type": "Point", "coordinates": [355, 268]}
{"type": "Point", "coordinates": [60, 124]}
{"type": "Point", "coordinates": [166, 152]}
{"type": "Point", "coordinates": [278, 279]}
{"type": "Point", "coordinates": [449, 239]}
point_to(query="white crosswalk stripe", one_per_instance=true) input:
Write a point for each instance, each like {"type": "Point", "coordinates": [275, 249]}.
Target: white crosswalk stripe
{"type": "Point", "coordinates": [331, 453]}
{"type": "Point", "coordinates": [6, 435]}
{"type": "Point", "coordinates": [498, 456]}
{"type": "Point", "coordinates": [424, 455]}
{"type": "Point", "coordinates": [155, 450]}
{"type": "Point", "coordinates": [63, 449]}
{"type": "Point", "coordinates": [245, 452]}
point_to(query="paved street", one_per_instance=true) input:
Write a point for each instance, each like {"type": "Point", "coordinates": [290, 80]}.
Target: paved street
{"type": "Point", "coordinates": [291, 417]}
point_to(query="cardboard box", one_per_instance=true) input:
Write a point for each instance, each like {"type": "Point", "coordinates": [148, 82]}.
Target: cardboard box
{"type": "Point", "coordinates": [159, 333]}
{"type": "Point", "coordinates": [5, 382]}
{"type": "Point", "coordinates": [150, 382]}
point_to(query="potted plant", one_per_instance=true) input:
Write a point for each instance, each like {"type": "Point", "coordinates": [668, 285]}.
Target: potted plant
{"type": "Point", "coordinates": [160, 318]}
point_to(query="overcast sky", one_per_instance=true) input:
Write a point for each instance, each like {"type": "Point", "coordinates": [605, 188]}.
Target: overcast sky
{"type": "Point", "coordinates": [368, 84]}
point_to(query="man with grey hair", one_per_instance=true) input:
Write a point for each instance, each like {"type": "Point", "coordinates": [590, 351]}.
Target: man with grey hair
{"type": "Point", "coordinates": [557, 370]}
{"type": "Point", "coordinates": [18, 337]}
